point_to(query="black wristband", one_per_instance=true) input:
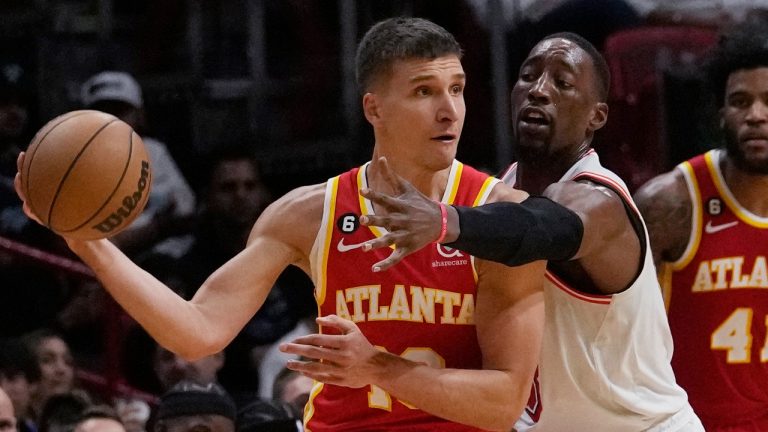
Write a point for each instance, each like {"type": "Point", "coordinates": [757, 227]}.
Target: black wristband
{"type": "Point", "coordinates": [514, 234]}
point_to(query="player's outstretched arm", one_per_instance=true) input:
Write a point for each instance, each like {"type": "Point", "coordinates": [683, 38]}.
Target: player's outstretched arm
{"type": "Point", "coordinates": [509, 318]}
{"type": "Point", "coordinates": [230, 296]}
{"type": "Point", "coordinates": [666, 207]}
{"type": "Point", "coordinates": [514, 230]}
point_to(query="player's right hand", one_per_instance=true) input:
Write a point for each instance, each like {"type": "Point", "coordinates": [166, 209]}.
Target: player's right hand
{"type": "Point", "coordinates": [20, 191]}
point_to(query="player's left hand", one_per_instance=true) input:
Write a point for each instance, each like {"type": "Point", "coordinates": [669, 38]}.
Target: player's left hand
{"type": "Point", "coordinates": [345, 359]}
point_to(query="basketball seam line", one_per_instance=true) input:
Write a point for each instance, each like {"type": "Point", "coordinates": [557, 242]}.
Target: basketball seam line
{"type": "Point", "coordinates": [117, 186]}
{"type": "Point", "coordinates": [72, 165]}
{"type": "Point", "coordinates": [32, 157]}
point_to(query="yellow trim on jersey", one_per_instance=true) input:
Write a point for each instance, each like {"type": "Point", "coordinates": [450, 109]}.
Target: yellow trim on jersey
{"type": "Point", "coordinates": [695, 239]}
{"type": "Point", "coordinates": [665, 280]}
{"type": "Point", "coordinates": [366, 207]}
{"type": "Point", "coordinates": [454, 179]}
{"type": "Point", "coordinates": [309, 408]}
{"type": "Point", "coordinates": [485, 191]}
{"type": "Point", "coordinates": [326, 232]}
{"type": "Point", "coordinates": [725, 193]}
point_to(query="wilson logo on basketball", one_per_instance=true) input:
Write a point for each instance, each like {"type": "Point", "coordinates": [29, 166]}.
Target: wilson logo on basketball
{"type": "Point", "coordinates": [130, 202]}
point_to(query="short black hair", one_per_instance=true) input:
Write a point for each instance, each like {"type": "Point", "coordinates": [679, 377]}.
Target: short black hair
{"type": "Point", "coordinates": [100, 411]}
{"type": "Point", "coordinates": [262, 415]}
{"type": "Point", "coordinates": [400, 39]}
{"type": "Point", "coordinates": [743, 47]}
{"type": "Point", "coordinates": [63, 411]}
{"type": "Point", "coordinates": [188, 398]}
{"type": "Point", "coordinates": [601, 66]}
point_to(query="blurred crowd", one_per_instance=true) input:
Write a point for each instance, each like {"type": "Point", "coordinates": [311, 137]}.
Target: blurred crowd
{"type": "Point", "coordinates": [72, 360]}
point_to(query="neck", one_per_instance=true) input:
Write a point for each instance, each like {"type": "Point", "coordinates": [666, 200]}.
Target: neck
{"type": "Point", "coordinates": [749, 189]}
{"type": "Point", "coordinates": [427, 181]}
{"type": "Point", "coordinates": [536, 172]}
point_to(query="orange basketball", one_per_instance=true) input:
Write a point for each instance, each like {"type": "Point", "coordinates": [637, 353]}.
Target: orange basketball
{"type": "Point", "coordinates": [86, 175]}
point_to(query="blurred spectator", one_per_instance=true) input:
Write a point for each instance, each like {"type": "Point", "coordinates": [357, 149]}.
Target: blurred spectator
{"type": "Point", "coordinates": [7, 417]}
{"type": "Point", "coordinates": [191, 407]}
{"type": "Point", "coordinates": [99, 418]}
{"type": "Point", "coordinates": [133, 414]}
{"type": "Point", "coordinates": [294, 389]}
{"type": "Point", "coordinates": [61, 411]}
{"type": "Point", "coordinates": [16, 100]}
{"type": "Point", "coordinates": [57, 371]}
{"type": "Point", "coordinates": [273, 362]}
{"type": "Point", "coordinates": [154, 369]}
{"type": "Point", "coordinates": [171, 369]}
{"type": "Point", "coordinates": [19, 377]}
{"type": "Point", "coordinates": [14, 124]}
{"type": "Point", "coordinates": [231, 201]}
{"type": "Point", "coordinates": [171, 200]}
{"type": "Point", "coordinates": [264, 415]}
{"type": "Point", "coordinates": [82, 321]}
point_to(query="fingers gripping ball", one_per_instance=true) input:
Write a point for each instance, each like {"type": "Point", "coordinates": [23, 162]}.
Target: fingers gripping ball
{"type": "Point", "coordinates": [86, 175]}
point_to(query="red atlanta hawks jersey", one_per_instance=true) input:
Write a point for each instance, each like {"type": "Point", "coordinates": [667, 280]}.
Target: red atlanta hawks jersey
{"type": "Point", "coordinates": [718, 304]}
{"type": "Point", "coordinates": [421, 309]}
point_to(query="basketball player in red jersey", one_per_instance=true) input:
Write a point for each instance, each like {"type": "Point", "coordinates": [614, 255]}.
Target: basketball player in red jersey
{"type": "Point", "coordinates": [445, 343]}
{"type": "Point", "coordinates": [708, 224]}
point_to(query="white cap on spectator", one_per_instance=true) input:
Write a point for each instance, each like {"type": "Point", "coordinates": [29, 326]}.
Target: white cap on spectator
{"type": "Point", "coordinates": [112, 86]}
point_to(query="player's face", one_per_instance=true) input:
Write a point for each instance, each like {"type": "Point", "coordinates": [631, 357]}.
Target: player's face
{"type": "Point", "coordinates": [56, 366]}
{"type": "Point", "coordinates": [745, 119]}
{"type": "Point", "coordinates": [420, 110]}
{"type": "Point", "coordinates": [554, 101]}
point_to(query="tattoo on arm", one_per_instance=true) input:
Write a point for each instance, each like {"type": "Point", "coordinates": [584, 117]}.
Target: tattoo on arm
{"type": "Point", "coordinates": [667, 214]}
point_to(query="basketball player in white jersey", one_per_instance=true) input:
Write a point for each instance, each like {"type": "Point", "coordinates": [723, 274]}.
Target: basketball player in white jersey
{"type": "Point", "coordinates": [605, 360]}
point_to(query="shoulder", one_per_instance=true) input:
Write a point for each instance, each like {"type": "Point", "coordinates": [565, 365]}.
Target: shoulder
{"type": "Point", "coordinates": [667, 209]}
{"type": "Point", "coordinates": [294, 218]}
{"type": "Point", "coordinates": [585, 197]}
{"type": "Point", "coordinates": [504, 192]}
{"type": "Point", "coordinates": [663, 191]}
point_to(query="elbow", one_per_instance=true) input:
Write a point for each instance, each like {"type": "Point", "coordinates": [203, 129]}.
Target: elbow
{"type": "Point", "coordinates": [506, 421]}
{"type": "Point", "coordinates": [193, 349]}
{"type": "Point", "coordinates": [505, 415]}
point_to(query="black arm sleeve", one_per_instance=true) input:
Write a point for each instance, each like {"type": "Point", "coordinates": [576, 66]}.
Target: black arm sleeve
{"type": "Point", "coordinates": [514, 234]}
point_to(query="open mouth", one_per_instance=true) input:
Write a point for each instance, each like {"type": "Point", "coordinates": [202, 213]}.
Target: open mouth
{"type": "Point", "coordinates": [444, 138]}
{"type": "Point", "coordinates": [534, 116]}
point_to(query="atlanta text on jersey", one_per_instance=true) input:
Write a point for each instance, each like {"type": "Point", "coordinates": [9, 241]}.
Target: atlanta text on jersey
{"type": "Point", "coordinates": [417, 305]}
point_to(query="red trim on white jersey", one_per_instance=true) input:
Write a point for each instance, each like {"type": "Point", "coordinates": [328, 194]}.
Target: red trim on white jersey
{"type": "Point", "coordinates": [591, 298]}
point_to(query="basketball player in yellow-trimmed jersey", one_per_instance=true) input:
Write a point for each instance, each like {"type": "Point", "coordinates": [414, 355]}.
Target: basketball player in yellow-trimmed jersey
{"type": "Point", "coordinates": [708, 224]}
{"type": "Point", "coordinates": [446, 343]}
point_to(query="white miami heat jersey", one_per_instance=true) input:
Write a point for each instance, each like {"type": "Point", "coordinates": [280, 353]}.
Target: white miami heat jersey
{"type": "Point", "coordinates": [605, 363]}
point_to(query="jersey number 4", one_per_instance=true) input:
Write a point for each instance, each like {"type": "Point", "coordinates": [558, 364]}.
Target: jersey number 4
{"type": "Point", "coordinates": [379, 399]}
{"type": "Point", "coordinates": [734, 335]}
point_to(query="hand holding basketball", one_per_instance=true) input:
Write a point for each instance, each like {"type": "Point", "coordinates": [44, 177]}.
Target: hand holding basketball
{"type": "Point", "coordinates": [85, 175]}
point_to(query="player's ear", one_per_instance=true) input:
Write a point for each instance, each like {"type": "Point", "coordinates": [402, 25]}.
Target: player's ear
{"type": "Point", "coordinates": [599, 116]}
{"type": "Point", "coordinates": [371, 108]}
